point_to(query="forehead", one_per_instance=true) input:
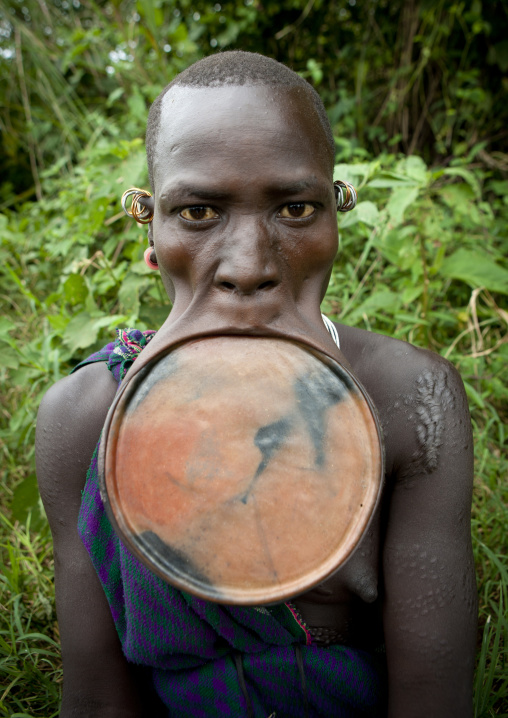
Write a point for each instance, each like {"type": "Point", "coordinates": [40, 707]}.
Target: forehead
{"type": "Point", "coordinates": [246, 128]}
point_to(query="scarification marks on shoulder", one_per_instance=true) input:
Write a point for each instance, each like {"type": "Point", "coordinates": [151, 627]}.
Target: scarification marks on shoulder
{"type": "Point", "coordinates": [431, 399]}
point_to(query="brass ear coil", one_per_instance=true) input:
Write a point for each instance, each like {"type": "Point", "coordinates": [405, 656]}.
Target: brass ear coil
{"type": "Point", "coordinates": [142, 214]}
{"type": "Point", "coordinates": [346, 196]}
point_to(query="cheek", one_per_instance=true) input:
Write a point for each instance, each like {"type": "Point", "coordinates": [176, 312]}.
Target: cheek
{"type": "Point", "coordinates": [314, 254]}
{"type": "Point", "coordinates": [174, 255]}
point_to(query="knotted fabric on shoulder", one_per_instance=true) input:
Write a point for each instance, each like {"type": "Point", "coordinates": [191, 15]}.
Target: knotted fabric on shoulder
{"type": "Point", "coordinates": [242, 469]}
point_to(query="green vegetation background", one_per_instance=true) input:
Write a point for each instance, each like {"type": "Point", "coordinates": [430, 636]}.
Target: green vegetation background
{"type": "Point", "coordinates": [416, 93]}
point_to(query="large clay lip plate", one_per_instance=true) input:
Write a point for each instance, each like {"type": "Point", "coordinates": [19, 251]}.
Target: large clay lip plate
{"type": "Point", "coordinates": [176, 564]}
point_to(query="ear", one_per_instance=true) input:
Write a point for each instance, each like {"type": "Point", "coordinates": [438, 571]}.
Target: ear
{"type": "Point", "coordinates": [147, 202]}
{"type": "Point", "coordinates": [150, 233]}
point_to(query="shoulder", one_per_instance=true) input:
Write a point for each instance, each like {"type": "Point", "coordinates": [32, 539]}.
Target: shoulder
{"type": "Point", "coordinates": [69, 424]}
{"type": "Point", "coordinates": [386, 365]}
{"type": "Point", "coordinates": [419, 396]}
{"type": "Point", "coordinates": [76, 406]}
{"type": "Point", "coordinates": [79, 395]}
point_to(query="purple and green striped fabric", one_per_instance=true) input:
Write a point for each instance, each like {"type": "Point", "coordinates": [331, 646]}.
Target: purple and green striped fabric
{"type": "Point", "coordinates": [189, 643]}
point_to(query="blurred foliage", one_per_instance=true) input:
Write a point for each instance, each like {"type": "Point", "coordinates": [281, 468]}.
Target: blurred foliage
{"type": "Point", "coordinates": [423, 77]}
{"type": "Point", "coordinates": [414, 91]}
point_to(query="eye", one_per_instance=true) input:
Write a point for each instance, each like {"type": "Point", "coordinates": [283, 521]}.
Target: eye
{"type": "Point", "coordinates": [199, 213]}
{"type": "Point", "coordinates": [297, 210]}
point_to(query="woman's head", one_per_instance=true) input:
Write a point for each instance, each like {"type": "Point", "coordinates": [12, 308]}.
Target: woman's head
{"type": "Point", "coordinates": [237, 69]}
{"type": "Point", "coordinates": [244, 227]}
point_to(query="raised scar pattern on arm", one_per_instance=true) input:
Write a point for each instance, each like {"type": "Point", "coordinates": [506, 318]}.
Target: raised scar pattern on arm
{"type": "Point", "coordinates": [426, 409]}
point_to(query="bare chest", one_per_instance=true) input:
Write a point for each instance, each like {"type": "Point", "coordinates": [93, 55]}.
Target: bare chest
{"type": "Point", "coordinates": [345, 608]}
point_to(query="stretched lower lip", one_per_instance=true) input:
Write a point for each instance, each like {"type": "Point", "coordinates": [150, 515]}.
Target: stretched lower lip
{"type": "Point", "coordinates": [239, 306]}
{"type": "Point", "coordinates": [231, 447]}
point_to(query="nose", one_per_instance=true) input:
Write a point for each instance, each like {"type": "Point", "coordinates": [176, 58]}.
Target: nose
{"type": "Point", "coordinates": [249, 263]}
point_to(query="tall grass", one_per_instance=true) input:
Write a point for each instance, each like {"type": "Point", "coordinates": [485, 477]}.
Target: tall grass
{"type": "Point", "coordinates": [30, 664]}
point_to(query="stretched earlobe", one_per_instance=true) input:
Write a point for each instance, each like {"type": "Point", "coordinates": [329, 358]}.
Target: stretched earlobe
{"type": "Point", "coordinates": [346, 196]}
{"type": "Point", "coordinates": [150, 258]}
{"type": "Point", "coordinates": [141, 208]}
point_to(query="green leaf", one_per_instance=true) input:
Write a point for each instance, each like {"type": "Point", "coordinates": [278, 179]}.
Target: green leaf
{"type": "Point", "coordinates": [5, 327]}
{"type": "Point", "coordinates": [114, 96]}
{"type": "Point", "coordinates": [366, 212]}
{"type": "Point", "coordinates": [58, 321]}
{"type": "Point", "coordinates": [467, 176]}
{"type": "Point", "coordinates": [10, 358]}
{"type": "Point", "coordinates": [128, 293]}
{"type": "Point", "coordinates": [81, 332]}
{"type": "Point", "coordinates": [316, 71]}
{"type": "Point", "coordinates": [398, 246]}
{"type": "Point", "coordinates": [383, 299]}
{"type": "Point", "coordinates": [390, 183]}
{"type": "Point", "coordinates": [352, 173]}
{"type": "Point", "coordinates": [154, 316]}
{"type": "Point", "coordinates": [461, 199]}
{"type": "Point", "coordinates": [473, 395]}
{"type": "Point", "coordinates": [415, 168]}
{"type": "Point", "coordinates": [133, 170]}
{"type": "Point", "coordinates": [83, 329]}
{"type": "Point", "coordinates": [399, 201]}
{"type": "Point", "coordinates": [477, 270]}
{"type": "Point", "coordinates": [25, 500]}
{"type": "Point", "coordinates": [410, 294]}
{"type": "Point", "coordinates": [75, 289]}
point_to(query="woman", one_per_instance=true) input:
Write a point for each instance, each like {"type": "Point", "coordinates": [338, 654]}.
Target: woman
{"type": "Point", "coordinates": [243, 231]}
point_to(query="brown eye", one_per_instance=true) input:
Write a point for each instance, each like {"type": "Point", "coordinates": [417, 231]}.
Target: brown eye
{"type": "Point", "coordinates": [297, 210]}
{"type": "Point", "coordinates": [199, 213]}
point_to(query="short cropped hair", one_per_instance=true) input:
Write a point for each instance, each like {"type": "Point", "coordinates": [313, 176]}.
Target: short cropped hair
{"type": "Point", "coordinates": [234, 67]}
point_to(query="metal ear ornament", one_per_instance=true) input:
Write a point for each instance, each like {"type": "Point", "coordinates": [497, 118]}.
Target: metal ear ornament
{"type": "Point", "coordinates": [142, 214]}
{"type": "Point", "coordinates": [346, 196]}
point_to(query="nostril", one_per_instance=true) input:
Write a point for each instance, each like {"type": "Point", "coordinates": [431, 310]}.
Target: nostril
{"type": "Point", "coordinates": [243, 288]}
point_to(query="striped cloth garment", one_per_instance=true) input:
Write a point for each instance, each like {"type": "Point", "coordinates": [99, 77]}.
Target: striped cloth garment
{"type": "Point", "coordinates": [213, 660]}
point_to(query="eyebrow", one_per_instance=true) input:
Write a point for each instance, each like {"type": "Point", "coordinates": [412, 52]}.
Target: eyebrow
{"type": "Point", "coordinates": [188, 190]}
{"type": "Point", "coordinates": [191, 191]}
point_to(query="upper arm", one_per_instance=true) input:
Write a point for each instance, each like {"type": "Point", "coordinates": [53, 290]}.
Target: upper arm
{"type": "Point", "coordinates": [69, 424]}
{"type": "Point", "coordinates": [430, 590]}
{"type": "Point", "coordinates": [70, 419]}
